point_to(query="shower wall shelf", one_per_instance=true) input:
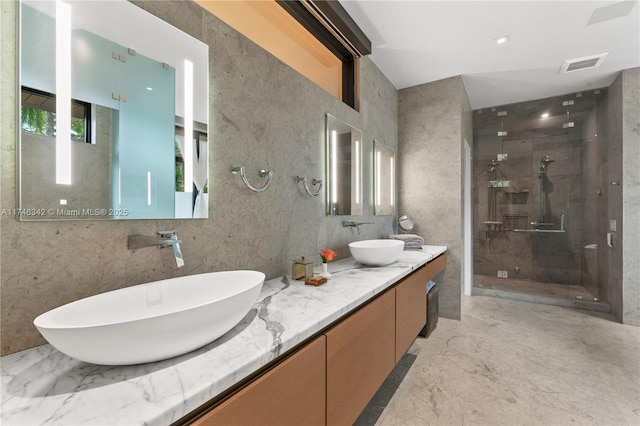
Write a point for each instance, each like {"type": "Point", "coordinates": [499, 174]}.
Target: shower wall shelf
{"type": "Point", "coordinates": [498, 184]}
{"type": "Point", "coordinates": [542, 231]}
{"type": "Point", "coordinates": [538, 230]}
{"type": "Point", "coordinates": [518, 197]}
{"type": "Point", "coordinates": [493, 225]}
{"type": "Point", "coordinates": [263, 173]}
{"type": "Point", "coordinates": [515, 221]}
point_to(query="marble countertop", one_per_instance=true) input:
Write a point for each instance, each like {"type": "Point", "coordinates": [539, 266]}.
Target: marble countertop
{"type": "Point", "coordinates": [43, 386]}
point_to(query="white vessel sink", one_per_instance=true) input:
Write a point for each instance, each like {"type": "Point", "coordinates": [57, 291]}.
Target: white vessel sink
{"type": "Point", "coordinates": [376, 252]}
{"type": "Point", "coordinates": [153, 321]}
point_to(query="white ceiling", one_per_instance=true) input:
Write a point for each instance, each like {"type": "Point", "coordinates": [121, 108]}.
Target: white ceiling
{"type": "Point", "coordinates": [419, 41]}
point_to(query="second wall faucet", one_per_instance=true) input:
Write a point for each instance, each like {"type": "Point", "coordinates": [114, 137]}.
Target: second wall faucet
{"type": "Point", "coordinates": [351, 224]}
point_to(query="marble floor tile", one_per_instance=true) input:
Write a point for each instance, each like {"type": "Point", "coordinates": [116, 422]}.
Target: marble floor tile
{"type": "Point", "coordinates": [516, 363]}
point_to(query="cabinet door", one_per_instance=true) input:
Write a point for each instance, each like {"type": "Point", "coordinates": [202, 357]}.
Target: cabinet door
{"type": "Point", "coordinates": [292, 393]}
{"type": "Point", "coordinates": [436, 266]}
{"type": "Point", "coordinates": [411, 309]}
{"type": "Point", "coordinates": [360, 355]}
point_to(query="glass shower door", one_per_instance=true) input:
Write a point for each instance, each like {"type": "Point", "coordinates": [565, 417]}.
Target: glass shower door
{"type": "Point", "coordinates": [537, 173]}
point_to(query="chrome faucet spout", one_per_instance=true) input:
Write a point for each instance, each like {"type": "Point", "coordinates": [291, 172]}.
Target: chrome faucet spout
{"type": "Point", "coordinates": [163, 240]}
{"type": "Point", "coordinates": [135, 242]}
{"type": "Point", "coordinates": [177, 251]}
{"type": "Point", "coordinates": [355, 224]}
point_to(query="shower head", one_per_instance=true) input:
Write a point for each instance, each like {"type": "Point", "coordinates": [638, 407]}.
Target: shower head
{"type": "Point", "coordinates": [493, 166]}
{"type": "Point", "coordinates": [546, 160]}
{"type": "Point", "coordinates": [543, 165]}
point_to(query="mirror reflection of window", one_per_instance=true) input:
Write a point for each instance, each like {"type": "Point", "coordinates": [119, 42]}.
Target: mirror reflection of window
{"type": "Point", "coordinates": [344, 168]}
{"type": "Point", "coordinates": [38, 115]}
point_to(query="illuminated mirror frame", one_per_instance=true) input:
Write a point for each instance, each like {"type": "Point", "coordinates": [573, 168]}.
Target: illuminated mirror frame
{"type": "Point", "coordinates": [384, 180]}
{"type": "Point", "coordinates": [335, 189]}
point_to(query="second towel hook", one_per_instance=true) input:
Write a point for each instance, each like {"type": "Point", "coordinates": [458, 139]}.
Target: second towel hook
{"type": "Point", "coordinates": [263, 173]}
{"type": "Point", "coordinates": [314, 182]}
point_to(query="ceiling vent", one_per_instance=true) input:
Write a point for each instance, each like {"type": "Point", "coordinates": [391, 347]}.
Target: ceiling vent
{"type": "Point", "coordinates": [584, 63]}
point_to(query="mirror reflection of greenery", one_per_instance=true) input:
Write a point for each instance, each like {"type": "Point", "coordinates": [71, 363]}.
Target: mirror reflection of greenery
{"type": "Point", "coordinates": [41, 122]}
{"type": "Point", "coordinates": [200, 137]}
{"type": "Point", "coordinates": [179, 168]}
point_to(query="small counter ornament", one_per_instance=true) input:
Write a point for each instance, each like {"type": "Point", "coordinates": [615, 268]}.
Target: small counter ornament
{"type": "Point", "coordinates": [302, 268]}
{"type": "Point", "coordinates": [327, 256]}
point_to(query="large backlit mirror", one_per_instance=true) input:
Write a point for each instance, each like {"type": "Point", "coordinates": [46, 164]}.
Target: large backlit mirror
{"type": "Point", "coordinates": [384, 180]}
{"type": "Point", "coordinates": [344, 168]}
{"type": "Point", "coordinates": [107, 94]}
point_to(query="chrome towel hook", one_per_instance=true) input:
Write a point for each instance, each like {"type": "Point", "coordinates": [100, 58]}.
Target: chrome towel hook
{"type": "Point", "coordinates": [314, 182]}
{"type": "Point", "coordinates": [263, 173]}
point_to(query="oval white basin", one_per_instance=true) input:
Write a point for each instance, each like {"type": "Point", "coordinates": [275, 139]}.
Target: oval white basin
{"type": "Point", "coordinates": [376, 252]}
{"type": "Point", "coordinates": [153, 321]}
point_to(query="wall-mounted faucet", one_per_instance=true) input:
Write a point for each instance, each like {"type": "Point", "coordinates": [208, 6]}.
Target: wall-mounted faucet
{"type": "Point", "coordinates": [163, 240]}
{"type": "Point", "coordinates": [355, 224]}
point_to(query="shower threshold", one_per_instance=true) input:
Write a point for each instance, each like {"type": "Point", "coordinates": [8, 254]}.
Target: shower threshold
{"type": "Point", "coordinates": [571, 296]}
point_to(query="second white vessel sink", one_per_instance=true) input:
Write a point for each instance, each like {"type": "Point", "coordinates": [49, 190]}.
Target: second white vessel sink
{"type": "Point", "coordinates": [376, 252]}
{"type": "Point", "coordinates": [153, 321]}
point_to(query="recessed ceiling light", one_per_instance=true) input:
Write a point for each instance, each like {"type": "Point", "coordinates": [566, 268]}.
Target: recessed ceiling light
{"type": "Point", "coordinates": [545, 115]}
{"type": "Point", "coordinates": [502, 40]}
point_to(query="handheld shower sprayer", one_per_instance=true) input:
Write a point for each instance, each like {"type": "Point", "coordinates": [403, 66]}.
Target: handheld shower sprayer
{"type": "Point", "coordinates": [544, 163]}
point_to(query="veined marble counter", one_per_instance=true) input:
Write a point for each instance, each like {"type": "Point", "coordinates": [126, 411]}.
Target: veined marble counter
{"type": "Point", "coordinates": [43, 386]}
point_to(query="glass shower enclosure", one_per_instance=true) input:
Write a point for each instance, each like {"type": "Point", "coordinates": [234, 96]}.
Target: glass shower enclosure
{"type": "Point", "coordinates": [537, 170]}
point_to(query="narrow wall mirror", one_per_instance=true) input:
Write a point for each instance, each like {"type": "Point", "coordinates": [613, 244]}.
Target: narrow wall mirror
{"type": "Point", "coordinates": [107, 94]}
{"type": "Point", "coordinates": [344, 168]}
{"type": "Point", "coordinates": [384, 179]}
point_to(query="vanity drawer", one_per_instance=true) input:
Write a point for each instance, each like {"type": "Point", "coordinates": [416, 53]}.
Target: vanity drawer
{"type": "Point", "coordinates": [291, 393]}
{"type": "Point", "coordinates": [360, 356]}
{"type": "Point", "coordinates": [411, 309]}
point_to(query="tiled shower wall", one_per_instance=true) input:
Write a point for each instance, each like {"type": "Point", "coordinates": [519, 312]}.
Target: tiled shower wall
{"type": "Point", "coordinates": [262, 114]}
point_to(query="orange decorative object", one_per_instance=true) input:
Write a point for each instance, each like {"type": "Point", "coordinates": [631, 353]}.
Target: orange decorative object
{"type": "Point", "coordinates": [327, 255]}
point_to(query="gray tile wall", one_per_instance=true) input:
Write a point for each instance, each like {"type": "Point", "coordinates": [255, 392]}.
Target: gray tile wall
{"type": "Point", "coordinates": [431, 118]}
{"type": "Point", "coordinates": [631, 195]}
{"type": "Point", "coordinates": [262, 114]}
{"type": "Point", "coordinates": [612, 171]}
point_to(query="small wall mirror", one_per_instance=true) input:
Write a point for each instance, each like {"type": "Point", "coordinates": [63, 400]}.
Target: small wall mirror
{"type": "Point", "coordinates": [107, 94]}
{"type": "Point", "coordinates": [405, 223]}
{"type": "Point", "coordinates": [384, 180]}
{"type": "Point", "coordinates": [344, 168]}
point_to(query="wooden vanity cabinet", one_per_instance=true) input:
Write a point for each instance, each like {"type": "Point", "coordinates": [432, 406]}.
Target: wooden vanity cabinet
{"type": "Point", "coordinates": [436, 266]}
{"type": "Point", "coordinates": [330, 380]}
{"type": "Point", "coordinates": [291, 393]}
{"type": "Point", "coordinates": [360, 356]}
{"type": "Point", "coordinates": [411, 303]}
{"type": "Point", "coordinates": [411, 310]}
